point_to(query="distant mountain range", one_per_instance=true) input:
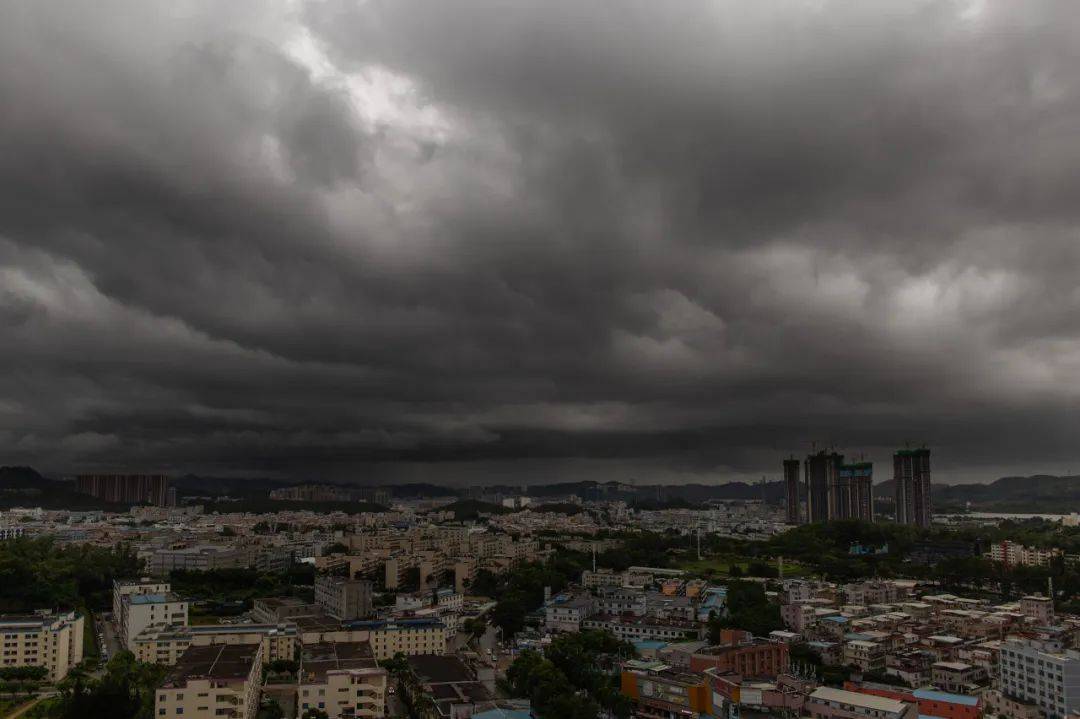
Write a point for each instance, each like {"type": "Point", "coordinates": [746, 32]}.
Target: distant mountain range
{"type": "Point", "coordinates": [1038, 493]}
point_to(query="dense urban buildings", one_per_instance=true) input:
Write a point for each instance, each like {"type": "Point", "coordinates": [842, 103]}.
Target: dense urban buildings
{"type": "Point", "coordinates": [332, 493]}
{"type": "Point", "coordinates": [911, 473]}
{"type": "Point", "coordinates": [125, 488]}
{"type": "Point", "coordinates": [420, 589]}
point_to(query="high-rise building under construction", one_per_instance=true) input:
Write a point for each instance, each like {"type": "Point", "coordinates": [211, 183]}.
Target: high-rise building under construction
{"type": "Point", "coordinates": [911, 473]}
{"type": "Point", "coordinates": [822, 471]}
{"type": "Point", "coordinates": [791, 490]}
{"type": "Point", "coordinates": [855, 492]}
{"type": "Point", "coordinates": [834, 490]}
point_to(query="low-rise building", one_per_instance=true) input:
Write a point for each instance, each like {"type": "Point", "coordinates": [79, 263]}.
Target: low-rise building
{"type": "Point", "coordinates": [659, 691]}
{"type": "Point", "coordinates": [866, 656]}
{"type": "Point", "coordinates": [199, 558]}
{"type": "Point", "coordinates": [342, 679]}
{"type": "Point", "coordinates": [209, 682]}
{"type": "Point", "coordinates": [142, 612]}
{"type": "Point", "coordinates": [131, 587]}
{"type": "Point", "coordinates": [631, 629]}
{"type": "Point", "coordinates": [957, 676]}
{"type": "Point", "coordinates": [52, 641]}
{"type": "Point", "coordinates": [1039, 609]}
{"type": "Point", "coordinates": [166, 646]}
{"type": "Point", "coordinates": [343, 598]}
{"type": "Point", "coordinates": [745, 656]}
{"type": "Point", "coordinates": [830, 703]}
{"type": "Point", "coordinates": [408, 636]}
{"type": "Point", "coordinates": [449, 687]}
{"type": "Point", "coordinates": [566, 613]}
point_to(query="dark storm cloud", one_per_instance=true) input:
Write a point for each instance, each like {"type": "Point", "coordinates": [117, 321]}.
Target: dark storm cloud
{"type": "Point", "coordinates": [420, 241]}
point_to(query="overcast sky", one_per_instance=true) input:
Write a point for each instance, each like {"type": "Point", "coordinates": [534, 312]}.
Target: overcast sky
{"type": "Point", "coordinates": [488, 240]}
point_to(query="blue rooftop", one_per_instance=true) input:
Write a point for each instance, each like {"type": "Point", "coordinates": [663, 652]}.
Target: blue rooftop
{"type": "Point", "coordinates": [650, 644]}
{"type": "Point", "coordinates": [149, 599]}
{"type": "Point", "coordinates": [936, 696]}
{"type": "Point", "coordinates": [838, 619]}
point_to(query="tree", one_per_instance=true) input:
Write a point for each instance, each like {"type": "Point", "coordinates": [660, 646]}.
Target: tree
{"type": "Point", "coordinates": [566, 680]}
{"type": "Point", "coordinates": [474, 627]}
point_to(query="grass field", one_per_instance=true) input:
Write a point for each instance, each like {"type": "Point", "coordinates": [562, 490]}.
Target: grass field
{"type": "Point", "coordinates": [10, 706]}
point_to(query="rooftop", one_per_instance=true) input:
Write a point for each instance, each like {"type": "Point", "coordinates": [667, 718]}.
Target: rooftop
{"type": "Point", "coordinates": [868, 701]}
{"type": "Point", "coordinates": [439, 669]}
{"type": "Point", "coordinates": [318, 659]}
{"type": "Point", "coordinates": [215, 661]}
{"type": "Point", "coordinates": [153, 598]}
{"type": "Point", "coordinates": [947, 697]}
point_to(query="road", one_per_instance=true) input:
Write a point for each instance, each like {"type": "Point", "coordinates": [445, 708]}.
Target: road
{"type": "Point", "coordinates": [108, 630]}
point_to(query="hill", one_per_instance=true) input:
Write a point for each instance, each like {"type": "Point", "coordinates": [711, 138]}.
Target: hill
{"type": "Point", "coordinates": [26, 487]}
{"type": "Point", "coordinates": [1037, 493]}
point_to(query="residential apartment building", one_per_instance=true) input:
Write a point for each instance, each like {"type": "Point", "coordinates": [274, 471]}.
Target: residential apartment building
{"type": "Point", "coordinates": [199, 558]}
{"type": "Point", "coordinates": [408, 636]}
{"type": "Point", "coordinates": [142, 612]}
{"type": "Point", "coordinates": [1012, 554]}
{"type": "Point", "coordinates": [52, 641]}
{"type": "Point", "coordinates": [342, 679]}
{"type": "Point", "coordinates": [633, 629]}
{"type": "Point", "coordinates": [957, 676]}
{"type": "Point", "coordinates": [343, 598]}
{"type": "Point", "coordinates": [166, 646]}
{"type": "Point", "coordinates": [209, 682]}
{"type": "Point", "coordinates": [566, 613]}
{"type": "Point", "coordinates": [1042, 674]}
{"type": "Point", "coordinates": [866, 656]}
{"type": "Point", "coordinates": [130, 587]}
{"type": "Point", "coordinates": [601, 578]}
{"type": "Point", "coordinates": [1038, 608]}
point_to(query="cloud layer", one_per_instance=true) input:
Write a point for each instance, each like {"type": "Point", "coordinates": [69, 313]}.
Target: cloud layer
{"type": "Point", "coordinates": [528, 241]}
